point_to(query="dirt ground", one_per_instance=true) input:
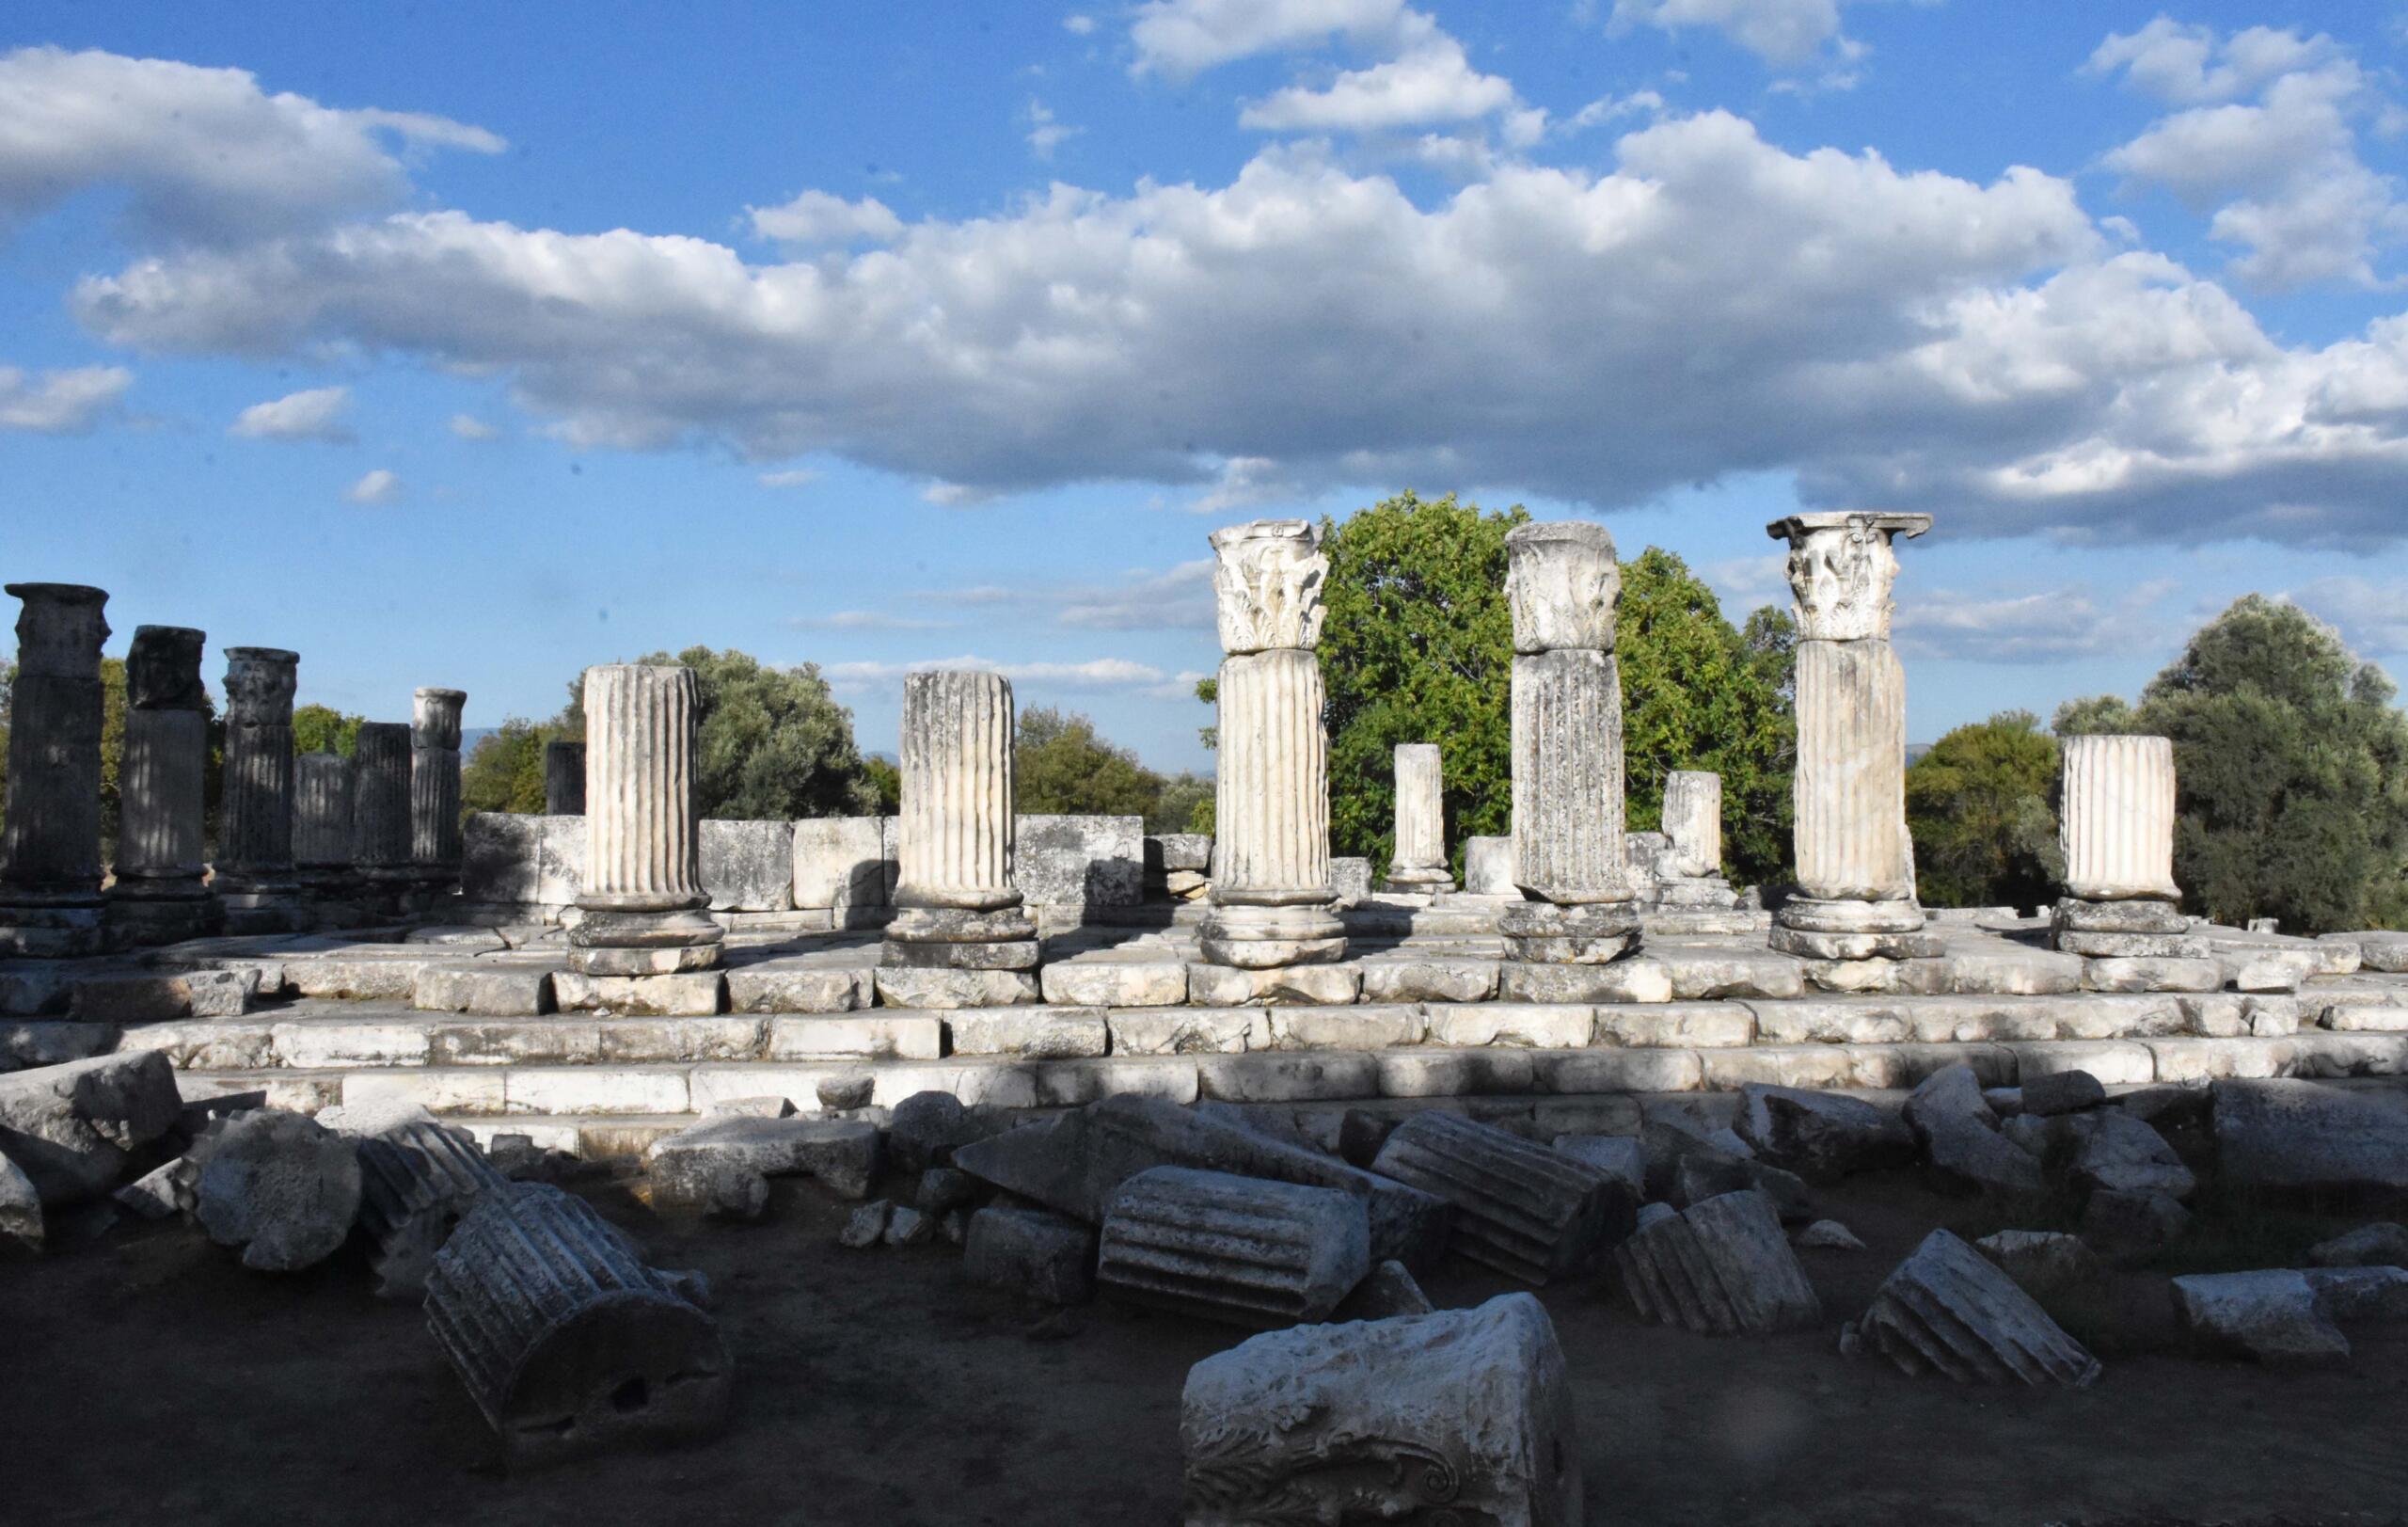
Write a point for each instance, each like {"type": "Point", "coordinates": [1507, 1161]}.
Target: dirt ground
{"type": "Point", "coordinates": [147, 1378]}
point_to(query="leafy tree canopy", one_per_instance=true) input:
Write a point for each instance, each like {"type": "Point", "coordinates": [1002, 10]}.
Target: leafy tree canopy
{"type": "Point", "coordinates": [504, 772]}
{"type": "Point", "coordinates": [1060, 765]}
{"type": "Point", "coordinates": [1978, 804]}
{"type": "Point", "coordinates": [318, 729]}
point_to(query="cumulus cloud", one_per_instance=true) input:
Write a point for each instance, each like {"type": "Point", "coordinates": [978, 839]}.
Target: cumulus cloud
{"type": "Point", "coordinates": [1435, 83]}
{"type": "Point", "coordinates": [205, 153]}
{"type": "Point", "coordinates": [378, 487]}
{"type": "Point", "coordinates": [816, 218]}
{"type": "Point", "coordinates": [1094, 674]}
{"type": "Point", "coordinates": [2053, 626]}
{"type": "Point", "coordinates": [1180, 38]}
{"type": "Point", "coordinates": [1783, 33]}
{"type": "Point", "coordinates": [2282, 172]}
{"type": "Point", "coordinates": [470, 427]}
{"type": "Point", "coordinates": [60, 402]}
{"type": "Point", "coordinates": [1045, 132]}
{"type": "Point", "coordinates": [1177, 598]}
{"type": "Point", "coordinates": [316, 414]}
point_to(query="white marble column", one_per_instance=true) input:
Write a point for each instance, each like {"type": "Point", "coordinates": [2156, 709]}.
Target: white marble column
{"type": "Point", "coordinates": [2117, 828]}
{"type": "Point", "coordinates": [50, 848]}
{"type": "Point", "coordinates": [1563, 585]}
{"type": "Point", "coordinates": [1273, 904]}
{"type": "Point", "coordinates": [434, 784]}
{"type": "Point", "coordinates": [254, 880]}
{"type": "Point", "coordinates": [1855, 861]}
{"type": "Point", "coordinates": [1419, 865]}
{"type": "Point", "coordinates": [161, 894]}
{"type": "Point", "coordinates": [642, 897]}
{"type": "Point", "coordinates": [959, 905]}
{"type": "Point", "coordinates": [1688, 870]}
{"type": "Point", "coordinates": [322, 820]}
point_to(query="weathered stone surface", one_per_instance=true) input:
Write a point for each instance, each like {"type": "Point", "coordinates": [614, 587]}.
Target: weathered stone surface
{"type": "Point", "coordinates": [71, 1128]}
{"type": "Point", "coordinates": [1465, 1411]}
{"type": "Point", "coordinates": [712, 1164]}
{"type": "Point", "coordinates": [747, 866]}
{"type": "Point", "coordinates": [2042, 1262]}
{"type": "Point", "coordinates": [840, 861]}
{"type": "Point", "coordinates": [2276, 1317]}
{"type": "Point", "coordinates": [1350, 879]}
{"type": "Point", "coordinates": [1946, 1309]}
{"type": "Point", "coordinates": [1271, 882]}
{"type": "Point", "coordinates": [1827, 1235]}
{"type": "Point", "coordinates": [1576, 970]}
{"type": "Point", "coordinates": [435, 783]}
{"type": "Point", "coordinates": [1042, 1033]}
{"type": "Point", "coordinates": [1721, 1267]}
{"type": "Point", "coordinates": [1137, 983]}
{"type": "Point", "coordinates": [568, 1343]}
{"type": "Point", "coordinates": [1568, 778]}
{"type": "Point", "coordinates": [255, 804]}
{"type": "Point", "coordinates": [2149, 973]}
{"type": "Point", "coordinates": [1185, 1030]}
{"type": "Point", "coordinates": [2064, 1091]}
{"type": "Point", "coordinates": [1046, 1256]}
{"type": "Point", "coordinates": [1080, 861]}
{"type": "Point", "coordinates": [520, 860]}
{"type": "Point", "coordinates": [1851, 833]}
{"type": "Point", "coordinates": [21, 1218]}
{"type": "Point", "coordinates": [1224, 986]}
{"type": "Point", "coordinates": [793, 986]}
{"type": "Point", "coordinates": [2132, 1226]}
{"type": "Point", "coordinates": [2118, 818]}
{"type": "Point", "coordinates": [2379, 1244]}
{"type": "Point", "coordinates": [484, 989]}
{"type": "Point", "coordinates": [924, 987]}
{"type": "Point", "coordinates": [1523, 1024]}
{"type": "Point", "coordinates": [2119, 1154]}
{"type": "Point", "coordinates": [149, 998]}
{"type": "Point", "coordinates": [1959, 1135]}
{"type": "Point", "coordinates": [278, 1186]}
{"type": "Point", "coordinates": [1388, 1291]}
{"type": "Point", "coordinates": [1527, 1211]}
{"type": "Point", "coordinates": [1188, 852]}
{"type": "Point", "coordinates": [2300, 1136]}
{"type": "Point", "coordinates": [1822, 1136]}
{"type": "Point", "coordinates": [642, 893]}
{"type": "Point", "coordinates": [1242, 1249]}
{"type": "Point", "coordinates": [417, 1181]}
{"type": "Point", "coordinates": [50, 844]}
{"type": "Point", "coordinates": [1419, 862]}
{"type": "Point", "coordinates": [1622, 1158]}
{"type": "Point", "coordinates": [866, 1226]}
{"type": "Point", "coordinates": [927, 1129]}
{"type": "Point", "coordinates": [1488, 868]}
{"type": "Point", "coordinates": [1426, 979]}
{"type": "Point", "coordinates": [697, 994]}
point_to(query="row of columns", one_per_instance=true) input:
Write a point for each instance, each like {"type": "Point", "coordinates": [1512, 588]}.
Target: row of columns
{"type": "Point", "coordinates": [284, 821]}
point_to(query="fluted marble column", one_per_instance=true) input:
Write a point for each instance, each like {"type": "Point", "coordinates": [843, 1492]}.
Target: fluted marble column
{"type": "Point", "coordinates": [958, 904]}
{"type": "Point", "coordinates": [322, 821]}
{"type": "Point", "coordinates": [380, 803]}
{"type": "Point", "coordinates": [1563, 584]}
{"type": "Point", "coordinates": [565, 779]}
{"type": "Point", "coordinates": [1419, 865]}
{"type": "Point", "coordinates": [434, 784]}
{"type": "Point", "coordinates": [643, 895]}
{"type": "Point", "coordinates": [50, 851]}
{"type": "Point", "coordinates": [2117, 833]}
{"type": "Point", "coordinates": [255, 880]}
{"type": "Point", "coordinates": [1856, 872]}
{"type": "Point", "coordinates": [161, 892]}
{"type": "Point", "coordinates": [1688, 872]}
{"type": "Point", "coordinates": [1273, 904]}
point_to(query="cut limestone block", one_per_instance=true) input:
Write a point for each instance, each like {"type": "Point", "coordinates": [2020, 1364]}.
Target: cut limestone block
{"type": "Point", "coordinates": [2302, 1136]}
{"type": "Point", "coordinates": [153, 997]}
{"type": "Point", "coordinates": [1241, 1249]}
{"type": "Point", "coordinates": [1464, 1414]}
{"type": "Point", "coordinates": [840, 861]}
{"type": "Point", "coordinates": [1721, 1267]}
{"type": "Point", "coordinates": [69, 1128]}
{"type": "Point", "coordinates": [715, 1164]}
{"type": "Point", "coordinates": [482, 989]}
{"type": "Point", "coordinates": [1947, 1309]}
{"type": "Point", "coordinates": [276, 1185]}
{"type": "Point", "coordinates": [1134, 983]}
{"type": "Point", "coordinates": [565, 1340]}
{"type": "Point", "coordinates": [1047, 1256]}
{"type": "Point", "coordinates": [747, 866]}
{"type": "Point", "coordinates": [2285, 1315]}
{"type": "Point", "coordinates": [1822, 1136]}
{"type": "Point", "coordinates": [925, 986]}
{"type": "Point", "coordinates": [1079, 861]}
{"type": "Point", "coordinates": [417, 1182]}
{"type": "Point", "coordinates": [1519, 1207]}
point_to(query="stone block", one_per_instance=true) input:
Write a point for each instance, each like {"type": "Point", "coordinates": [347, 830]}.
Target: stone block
{"type": "Point", "coordinates": [444, 1091]}
{"type": "Point", "coordinates": [1272, 1077]}
{"type": "Point", "coordinates": [1190, 852]}
{"type": "Point", "coordinates": [1825, 1021]}
{"type": "Point", "coordinates": [1454, 1072]}
{"type": "Point", "coordinates": [1520, 1207]}
{"type": "Point", "coordinates": [1619, 1071]}
{"type": "Point", "coordinates": [841, 862]}
{"type": "Point", "coordinates": [1079, 861]}
{"type": "Point", "coordinates": [2145, 973]}
{"type": "Point", "coordinates": [55, 1041]}
{"type": "Point", "coordinates": [1710, 1026]}
{"type": "Point", "coordinates": [1229, 986]}
{"type": "Point", "coordinates": [276, 1185]}
{"type": "Point", "coordinates": [1032, 1033]}
{"type": "Point", "coordinates": [153, 996]}
{"type": "Point", "coordinates": [1637, 979]}
{"type": "Point", "coordinates": [566, 1089]}
{"type": "Point", "coordinates": [2301, 1137]}
{"type": "Point", "coordinates": [392, 978]}
{"type": "Point", "coordinates": [1367, 1026]}
{"type": "Point", "coordinates": [2212, 1059]}
{"type": "Point", "coordinates": [933, 987]}
{"type": "Point", "coordinates": [2116, 1062]}
{"type": "Point", "coordinates": [2042, 1262]}
{"type": "Point", "coordinates": [1188, 1030]}
{"type": "Point", "coordinates": [1415, 979]}
{"type": "Point", "coordinates": [799, 986]}
{"type": "Point", "coordinates": [491, 991]}
{"type": "Point", "coordinates": [71, 1128]}
{"type": "Point", "coordinates": [1350, 879]}
{"type": "Point", "coordinates": [715, 1164]}
{"type": "Point", "coordinates": [517, 860]}
{"type": "Point", "coordinates": [1488, 868]}
{"type": "Point", "coordinates": [1243, 1249]}
{"type": "Point", "coordinates": [747, 866]}
{"type": "Point", "coordinates": [1147, 984]}
{"type": "Point", "coordinates": [686, 994]}
{"type": "Point", "coordinates": [1048, 1257]}
{"type": "Point", "coordinates": [1527, 1026]}
{"type": "Point", "coordinates": [879, 1034]}
{"type": "Point", "coordinates": [1700, 972]}
{"type": "Point", "coordinates": [1823, 1135]}
{"type": "Point", "coordinates": [1946, 1309]}
{"type": "Point", "coordinates": [1721, 1267]}
{"type": "Point", "coordinates": [332, 1043]}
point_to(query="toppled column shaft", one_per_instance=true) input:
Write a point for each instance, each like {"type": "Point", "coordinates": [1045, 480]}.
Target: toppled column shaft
{"type": "Point", "coordinates": [1242, 1249]}
{"type": "Point", "coordinates": [1525, 1210]}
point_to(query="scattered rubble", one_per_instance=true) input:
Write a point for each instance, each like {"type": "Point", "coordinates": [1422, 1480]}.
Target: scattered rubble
{"type": "Point", "coordinates": [723, 1163]}
{"type": "Point", "coordinates": [1242, 1249]}
{"type": "Point", "coordinates": [1463, 1415]}
{"type": "Point", "coordinates": [72, 1129]}
{"type": "Point", "coordinates": [2287, 1316]}
{"type": "Point", "coordinates": [1390, 1289]}
{"type": "Point", "coordinates": [1047, 1256]}
{"type": "Point", "coordinates": [1519, 1207]}
{"type": "Point", "coordinates": [1946, 1309]}
{"type": "Point", "coordinates": [1822, 1136]}
{"type": "Point", "coordinates": [1959, 1135]}
{"type": "Point", "coordinates": [278, 1186]}
{"type": "Point", "coordinates": [2379, 1245]}
{"type": "Point", "coordinates": [20, 1217]}
{"type": "Point", "coordinates": [1720, 1269]}
{"type": "Point", "coordinates": [1827, 1235]}
{"type": "Point", "coordinates": [417, 1180]}
{"type": "Point", "coordinates": [2042, 1262]}
{"type": "Point", "coordinates": [867, 1226]}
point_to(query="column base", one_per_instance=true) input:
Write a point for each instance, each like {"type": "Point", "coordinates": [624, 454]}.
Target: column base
{"type": "Point", "coordinates": [277, 911]}
{"type": "Point", "coordinates": [50, 930]}
{"type": "Point", "coordinates": [958, 938]}
{"type": "Point", "coordinates": [1406, 879]}
{"type": "Point", "coordinates": [2141, 928]}
{"type": "Point", "coordinates": [1266, 938]}
{"type": "Point", "coordinates": [1694, 891]}
{"type": "Point", "coordinates": [1814, 928]}
{"type": "Point", "coordinates": [1586, 933]}
{"type": "Point", "coordinates": [606, 943]}
{"type": "Point", "coordinates": [142, 919]}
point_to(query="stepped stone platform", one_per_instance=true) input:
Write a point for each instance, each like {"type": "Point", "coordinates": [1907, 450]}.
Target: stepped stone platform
{"type": "Point", "coordinates": [487, 1025]}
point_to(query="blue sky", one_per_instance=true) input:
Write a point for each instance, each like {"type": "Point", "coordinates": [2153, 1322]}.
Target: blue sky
{"type": "Point", "coordinates": [473, 346]}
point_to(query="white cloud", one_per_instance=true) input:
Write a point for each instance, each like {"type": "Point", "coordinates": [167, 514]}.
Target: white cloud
{"type": "Point", "coordinates": [2057, 625]}
{"type": "Point", "coordinates": [1179, 598]}
{"type": "Point", "coordinates": [1094, 674]}
{"type": "Point", "coordinates": [1785, 33]}
{"type": "Point", "coordinates": [816, 218]}
{"type": "Point", "coordinates": [1435, 83]}
{"type": "Point", "coordinates": [470, 427]}
{"type": "Point", "coordinates": [60, 402]}
{"type": "Point", "coordinates": [316, 414]}
{"type": "Point", "coordinates": [1078, 24]}
{"type": "Point", "coordinates": [1180, 38]}
{"type": "Point", "coordinates": [1045, 133]}
{"type": "Point", "coordinates": [2282, 172]}
{"type": "Point", "coordinates": [864, 620]}
{"type": "Point", "coordinates": [790, 477]}
{"type": "Point", "coordinates": [377, 487]}
{"type": "Point", "coordinates": [1609, 108]}
{"type": "Point", "coordinates": [205, 153]}
{"type": "Point", "coordinates": [2372, 617]}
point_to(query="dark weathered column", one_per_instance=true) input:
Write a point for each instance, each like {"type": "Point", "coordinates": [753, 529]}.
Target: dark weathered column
{"type": "Point", "coordinates": [322, 821]}
{"type": "Point", "coordinates": [643, 895]}
{"type": "Point", "coordinates": [255, 880]}
{"type": "Point", "coordinates": [380, 801]}
{"type": "Point", "coordinates": [1273, 904]}
{"type": "Point", "coordinates": [50, 851]}
{"type": "Point", "coordinates": [161, 890]}
{"type": "Point", "coordinates": [434, 786]}
{"type": "Point", "coordinates": [563, 779]}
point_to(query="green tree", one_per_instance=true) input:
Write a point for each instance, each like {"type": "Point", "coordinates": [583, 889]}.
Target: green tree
{"type": "Point", "coordinates": [1698, 694]}
{"type": "Point", "coordinates": [1416, 646]}
{"type": "Point", "coordinates": [1979, 804]}
{"type": "Point", "coordinates": [1186, 796]}
{"type": "Point", "coordinates": [504, 772]}
{"type": "Point", "coordinates": [318, 729]}
{"type": "Point", "coordinates": [2095, 715]}
{"type": "Point", "coordinates": [2292, 769]}
{"type": "Point", "coordinates": [886, 779]}
{"type": "Point", "coordinates": [772, 743]}
{"type": "Point", "coordinates": [1059, 765]}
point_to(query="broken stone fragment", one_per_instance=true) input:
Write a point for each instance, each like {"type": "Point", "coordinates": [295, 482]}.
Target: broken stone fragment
{"type": "Point", "coordinates": [928, 1128]}
{"type": "Point", "coordinates": [1239, 1249]}
{"type": "Point", "coordinates": [1464, 1414]}
{"type": "Point", "coordinates": [2061, 1091]}
{"type": "Point", "coordinates": [156, 1194]}
{"type": "Point", "coordinates": [714, 1164]}
{"type": "Point", "coordinates": [1822, 1136]}
{"type": "Point", "coordinates": [2131, 1227]}
{"type": "Point", "coordinates": [565, 1340]}
{"type": "Point", "coordinates": [417, 1180]}
{"type": "Point", "coordinates": [1959, 1135]}
{"type": "Point", "coordinates": [1044, 1255]}
{"type": "Point", "coordinates": [907, 1225]}
{"type": "Point", "coordinates": [2379, 1245]}
{"type": "Point", "coordinates": [1391, 1289]}
{"type": "Point", "coordinates": [1519, 1207]}
{"type": "Point", "coordinates": [1719, 1269]}
{"type": "Point", "coordinates": [2275, 1317]}
{"type": "Point", "coordinates": [20, 1206]}
{"type": "Point", "coordinates": [1828, 1235]}
{"type": "Point", "coordinates": [71, 1128]}
{"type": "Point", "coordinates": [2304, 1137]}
{"type": "Point", "coordinates": [2120, 1155]}
{"type": "Point", "coordinates": [2042, 1262]}
{"type": "Point", "coordinates": [278, 1186]}
{"type": "Point", "coordinates": [1946, 1309]}
{"type": "Point", "coordinates": [867, 1226]}
{"type": "Point", "coordinates": [943, 1189]}
{"type": "Point", "coordinates": [1622, 1158]}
